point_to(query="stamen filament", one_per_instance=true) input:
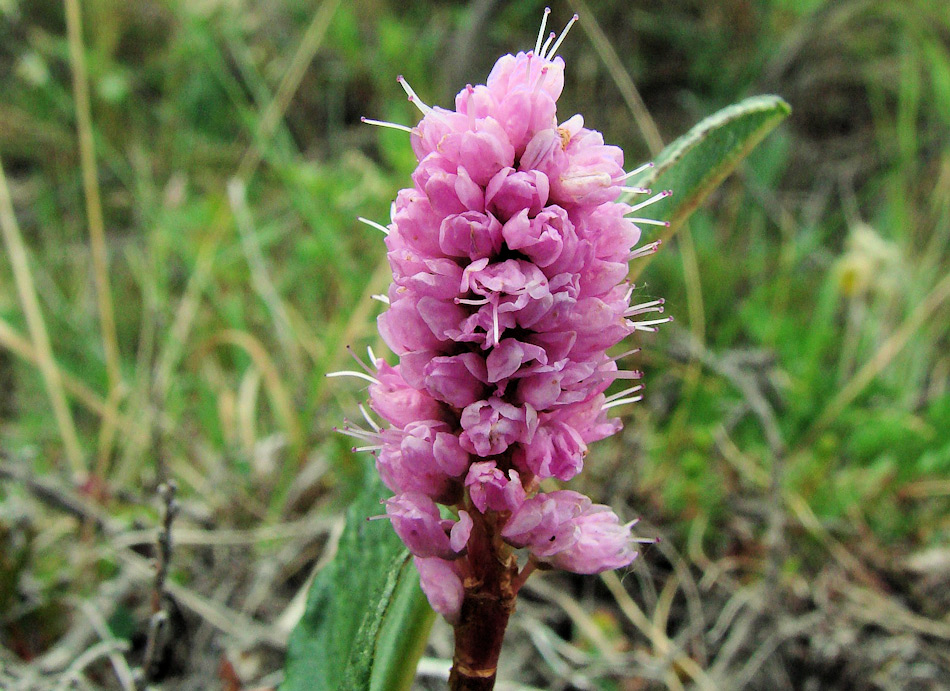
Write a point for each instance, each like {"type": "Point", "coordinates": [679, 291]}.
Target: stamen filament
{"type": "Point", "coordinates": [624, 354]}
{"type": "Point", "coordinates": [637, 171]}
{"type": "Point", "coordinates": [652, 200]}
{"type": "Point", "coordinates": [413, 96]}
{"type": "Point", "coordinates": [622, 401]}
{"type": "Point", "coordinates": [390, 125]}
{"type": "Point", "coordinates": [544, 48]}
{"type": "Point", "coordinates": [654, 322]}
{"type": "Point", "coordinates": [366, 368]}
{"type": "Point", "coordinates": [381, 298]}
{"type": "Point", "coordinates": [494, 319]}
{"type": "Point", "coordinates": [358, 433]}
{"type": "Point", "coordinates": [643, 308]}
{"type": "Point", "coordinates": [372, 423]}
{"type": "Point", "coordinates": [621, 394]}
{"type": "Point", "coordinates": [351, 373]}
{"type": "Point", "coordinates": [544, 21]}
{"type": "Point", "coordinates": [651, 222]}
{"type": "Point", "coordinates": [645, 250]}
{"type": "Point", "coordinates": [373, 224]}
{"type": "Point", "coordinates": [550, 56]}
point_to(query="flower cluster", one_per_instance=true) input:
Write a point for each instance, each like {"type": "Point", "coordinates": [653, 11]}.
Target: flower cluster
{"type": "Point", "coordinates": [509, 256]}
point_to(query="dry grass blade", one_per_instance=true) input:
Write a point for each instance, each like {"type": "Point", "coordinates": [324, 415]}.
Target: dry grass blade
{"type": "Point", "coordinates": [585, 624]}
{"type": "Point", "coordinates": [37, 325]}
{"type": "Point", "coordinates": [261, 279]}
{"type": "Point", "coordinates": [620, 76]}
{"type": "Point", "coordinates": [97, 236]}
{"type": "Point", "coordinates": [17, 344]}
{"type": "Point", "coordinates": [660, 641]}
{"type": "Point", "coordinates": [243, 629]}
{"type": "Point", "coordinates": [882, 358]}
{"type": "Point", "coordinates": [281, 398]}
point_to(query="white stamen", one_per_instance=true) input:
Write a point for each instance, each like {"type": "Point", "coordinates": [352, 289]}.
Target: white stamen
{"type": "Point", "coordinates": [413, 96]}
{"type": "Point", "coordinates": [544, 48]}
{"type": "Point", "coordinates": [622, 401]}
{"type": "Point", "coordinates": [371, 355]}
{"type": "Point", "coordinates": [374, 447]}
{"type": "Point", "coordinates": [381, 298]}
{"type": "Point", "coordinates": [621, 394]}
{"type": "Point", "coordinates": [467, 301]}
{"type": "Point", "coordinates": [544, 22]}
{"type": "Point", "coordinates": [652, 200]}
{"type": "Point", "coordinates": [644, 251]}
{"type": "Point", "coordinates": [649, 325]}
{"type": "Point", "coordinates": [550, 56]}
{"type": "Point", "coordinates": [359, 433]}
{"type": "Point", "coordinates": [644, 307]}
{"type": "Point", "coordinates": [494, 319]}
{"type": "Point", "coordinates": [372, 423]}
{"type": "Point", "coordinates": [351, 373]}
{"type": "Point", "coordinates": [366, 368]}
{"type": "Point", "coordinates": [624, 354]}
{"type": "Point", "coordinates": [373, 224]}
{"type": "Point", "coordinates": [635, 190]}
{"type": "Point", "coordinates": [654, 322]}
{"type": "Point", "coordinates": [637, 171]}
{"type": "Point", "coordinates": [383, 123]}
{"type": "Point", "coordinates": [618, 374]}
{"type": "Point", "coordinates": [650, 222]}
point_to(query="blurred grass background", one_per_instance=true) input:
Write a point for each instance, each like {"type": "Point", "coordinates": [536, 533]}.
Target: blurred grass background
{"type": "Point", "coordinates": [797, 419]}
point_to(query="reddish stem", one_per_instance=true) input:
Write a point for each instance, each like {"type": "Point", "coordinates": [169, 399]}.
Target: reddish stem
{"type": "Point", "coordinates": [490, 592]}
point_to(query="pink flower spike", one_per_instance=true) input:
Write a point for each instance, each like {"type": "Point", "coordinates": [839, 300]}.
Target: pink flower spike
{"type": "Point", "coordinates": [509, 252]}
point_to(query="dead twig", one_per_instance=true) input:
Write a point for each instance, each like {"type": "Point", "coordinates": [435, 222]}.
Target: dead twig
{"type": "Point", "coordinates": [158, 625]}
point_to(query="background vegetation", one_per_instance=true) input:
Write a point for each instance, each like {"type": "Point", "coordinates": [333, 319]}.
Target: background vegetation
{"type": "Point", "coordinates": [793, 450]}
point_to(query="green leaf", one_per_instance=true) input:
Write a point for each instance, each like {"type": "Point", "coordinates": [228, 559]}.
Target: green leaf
{"type": "Point", "coordinates": [696, 163]}
{"type": "Point", "coordinates": [366, 621]}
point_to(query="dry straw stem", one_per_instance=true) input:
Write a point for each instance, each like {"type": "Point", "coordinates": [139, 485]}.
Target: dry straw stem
{"type": "Point", "coordinates": [658, 638]}
{"type": "Point", "coordinates": [16, 249]}
{"type": "Point", "coordinates": [13, 341]}
{"type": "Point", "coordinates": [97, 236]}
{"type": "Point", "coordinates": [620, 76]}
{"type": "Point", "coordinates": [261, 279]}
{"type": "Point", "coordinates": [188, 306]}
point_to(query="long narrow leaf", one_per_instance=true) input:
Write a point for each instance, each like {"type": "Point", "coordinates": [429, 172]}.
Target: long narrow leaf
{"type": "Point", "coordinates": [696, 163]}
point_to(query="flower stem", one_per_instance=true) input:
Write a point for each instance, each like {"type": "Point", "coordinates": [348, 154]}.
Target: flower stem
{"type": "Point", "coordinates": [490, 593]}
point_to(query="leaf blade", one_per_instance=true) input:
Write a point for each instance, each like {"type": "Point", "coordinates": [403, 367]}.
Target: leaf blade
{"type": "Point", "coordinates": [696, 163]}
{"type": "Point", "coordinates": [358, 611]}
